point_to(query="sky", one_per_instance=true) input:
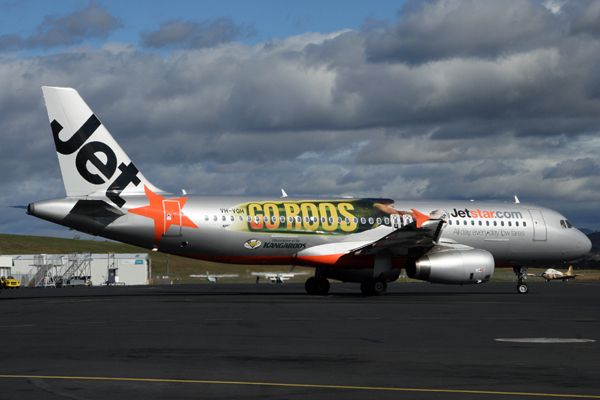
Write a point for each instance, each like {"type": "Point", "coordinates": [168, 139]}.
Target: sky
{"type": "Point", "coordinates": [450, 99]}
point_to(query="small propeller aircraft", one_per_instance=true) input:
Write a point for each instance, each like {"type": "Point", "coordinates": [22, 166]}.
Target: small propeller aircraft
{"type": "Point", "coordinates": [278, 277]}
{"type": "Point", "coordinates": [214, 278]}
{"type": "Point", "coordinates": [555, 275]}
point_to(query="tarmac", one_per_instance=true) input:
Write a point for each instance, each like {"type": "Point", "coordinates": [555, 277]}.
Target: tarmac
{"type": "Point", "coordinates": [273, 341]}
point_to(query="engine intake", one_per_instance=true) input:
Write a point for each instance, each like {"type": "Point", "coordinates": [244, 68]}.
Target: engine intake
{"type": "Point", "coordinates": [457, 267]}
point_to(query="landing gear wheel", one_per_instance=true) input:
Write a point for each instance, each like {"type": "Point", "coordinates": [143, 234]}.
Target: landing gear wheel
{"type": "Point", "coordinates": [373, 287]}
{"type": "Point", "coordinates": [322, 286]}
{"type": "Point", "coordinates": [311, 285]}
{"type": "Point", "coordinates": [522, 288]}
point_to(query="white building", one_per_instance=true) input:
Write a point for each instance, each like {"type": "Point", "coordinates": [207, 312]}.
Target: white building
{"type": "Point", "coordinates": [124, 269]}
{"type": "Point", "coordinates": [5, 266]}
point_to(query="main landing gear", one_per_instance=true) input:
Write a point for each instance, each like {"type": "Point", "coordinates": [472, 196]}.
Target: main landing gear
{"type": "Point", "coordinates": [522, 287]}
{"type": "Point", "coordinates": [373, 287]}
{"type": "Point", "coordinates": [318, 286]}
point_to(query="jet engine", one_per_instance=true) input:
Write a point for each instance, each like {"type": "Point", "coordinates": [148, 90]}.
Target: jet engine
{"type": "Point", "coordinates": [453, 266]}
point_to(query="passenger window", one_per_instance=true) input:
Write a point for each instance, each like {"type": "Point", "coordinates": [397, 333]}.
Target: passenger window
{"type": "Point", "coordinates": [371, 221]}
{"type": "Point", "coordinates": [241, 218]}
{"type": "Point", "coordinates": [215, 218]}
{"type": "Point", "coordinates": [517, 223]}
{"type": "Point", "coordinates": [465, 222]}
{"type": "Point", "coordinates": [306, 220]}
{"type": "Point", "coordinates": [290, 219]}
{"type": "Point", "coordinates": [449, 222]}
{"type": "Point", "coordinates": [232, 218]}
{"type": "Point", "coordinates": [363, 220]}
{"type": "Point", "coordinates": [472, 222]}
{"type": "Point", "coordinates": [480, 223]}
{"type": "Point", "coordinates": [502, 223]}
{"type": "Point", "coordinates": [386, 221]}
{"type": "Point", "coordinates": [509, 223]}
{"type": "Point", "coordinates": [330, 220]}
{"type": "Point", "coordinates": [249, 219]}
{"type": "Point", "coordinates": [282, 219]}
{"type": "Point", "coordinates": [224, 218]}
{"type": "Point", "coordinates": [257, 219]}
{"type": "Point", "coordinates": [495, 223]}
{"type": "Point", "coordinates": [206, 217]}
{"type": "Point", "coordinates": [322, 220]}
{"type": "Point", "coordinates": [355, 220]}
{"type": "Point", "coordinates": [347, 220]}
{"type": "Point", "coordinates": [339, 220]}
{"type": "Point", "coordinates": [524, 223]}
{"type": "Point", "coordinates": [273, 219]}
{"type": "Point", "coordinates": [266, 219]}
{"type": "Point", "coordinates": [298, 219]}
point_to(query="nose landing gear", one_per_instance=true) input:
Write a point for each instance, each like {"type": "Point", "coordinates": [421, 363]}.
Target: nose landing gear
{"type": "Point", "coordinates": [522, 287]}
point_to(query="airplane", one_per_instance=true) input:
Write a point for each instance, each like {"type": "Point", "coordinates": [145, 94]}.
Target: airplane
{"type": "Point", "coordinates": [278, 277]}
{"type": "Point", "coordinates": [214, 278]}
{"type": "Point", "coordinates": [552, 274]}
{"type": "Point", "coordinates": [362, 240]}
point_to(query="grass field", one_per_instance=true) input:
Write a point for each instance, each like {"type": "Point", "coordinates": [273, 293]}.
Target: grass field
{"type": "Point", "coordinates": [181, 268]}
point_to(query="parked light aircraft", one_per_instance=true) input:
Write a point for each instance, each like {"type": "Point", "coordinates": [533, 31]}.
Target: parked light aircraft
{"type": "Point", "coordinates": [366, 240]}
{"type": "Point", "coordinates": [552, 275]}
{"type": "Point", "coordinates": [214, 278]}
{"type": "Point", "coordinates": [278, 277]}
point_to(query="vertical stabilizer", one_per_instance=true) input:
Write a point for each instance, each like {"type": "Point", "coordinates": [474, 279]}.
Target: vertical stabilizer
{"type": "Point", "coordinates": [91, 162]}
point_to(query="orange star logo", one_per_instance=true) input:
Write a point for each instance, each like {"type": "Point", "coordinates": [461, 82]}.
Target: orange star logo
{"type": "Point", "coordinates": [165, 213]}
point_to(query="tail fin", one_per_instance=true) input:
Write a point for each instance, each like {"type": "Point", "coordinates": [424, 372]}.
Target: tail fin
{"type": "Point", "coordinates": [570, 271]}
{"type": "Point", "coordinates": [91, 161]}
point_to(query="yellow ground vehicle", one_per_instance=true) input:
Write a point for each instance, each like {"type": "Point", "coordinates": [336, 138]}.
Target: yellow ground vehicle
{"type": "Point", "coordinates": [9, 283]}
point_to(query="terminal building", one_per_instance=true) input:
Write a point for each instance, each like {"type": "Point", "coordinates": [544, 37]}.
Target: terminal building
{"type": "Point", "coordinates": [50, 270]}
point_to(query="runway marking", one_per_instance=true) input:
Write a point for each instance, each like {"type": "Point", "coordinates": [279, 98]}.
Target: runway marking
{"type": "Point", "coordinates": [223, 319]}
{"type": "Point", "coordinates": [303, 385]}
{"type": "Point", "coordinates": [544, 340]}
{"type": "Point", "coordinates": [155, 320]}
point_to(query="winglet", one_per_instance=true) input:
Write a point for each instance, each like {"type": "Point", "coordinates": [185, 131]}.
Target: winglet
{"type": "Point", "coordinates": [421, 218]}
{"type": "Point", "coordinates": [517, 199]}
{"type": "Point", "coordinates": [283, 194]}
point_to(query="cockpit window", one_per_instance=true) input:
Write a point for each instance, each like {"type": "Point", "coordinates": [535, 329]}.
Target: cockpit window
{"type": "Point", "coordinates": [569, 224]}
{"type": "Point", "coordinates": [562, 223]}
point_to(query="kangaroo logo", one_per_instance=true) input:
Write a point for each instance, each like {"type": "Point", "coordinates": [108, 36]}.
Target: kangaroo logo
{"type": "Point", "coordinates": [88, 152]}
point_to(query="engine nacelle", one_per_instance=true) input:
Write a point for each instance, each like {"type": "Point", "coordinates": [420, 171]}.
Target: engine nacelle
{"type": "Point", "coordinates": [457, 267]}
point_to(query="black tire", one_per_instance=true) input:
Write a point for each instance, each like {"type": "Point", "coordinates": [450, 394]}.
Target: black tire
{"type": "Point", "coordinates": [379, 287]}
{"type": "Point", "coordinates": [322, 286]}
{"type": "Point", "coordinates": [373, 287]}
{"type": "Point", "coordinates": [311, 285]}
{"type": "Point", "coordinates": [522, 288]}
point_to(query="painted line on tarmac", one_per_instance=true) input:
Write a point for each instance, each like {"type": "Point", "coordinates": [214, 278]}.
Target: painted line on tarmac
{"type": "Point", "coordinates": [303, 385]}
{"type": "Point", "coordinates": [545, 340]}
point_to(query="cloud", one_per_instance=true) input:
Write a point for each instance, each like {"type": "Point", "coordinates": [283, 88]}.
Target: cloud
{"type": "Point", "coordinates": [437, 30]}
{"type": "Point", "coordinates": [90, 22]}
{"type": "Point", "coordinates": [196, 35]}
{"type": "Point", "coordinates": [572, 169]}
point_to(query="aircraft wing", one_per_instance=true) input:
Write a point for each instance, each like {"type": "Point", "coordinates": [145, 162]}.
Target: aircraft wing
{"type": "Point", "coordinates": [406, 239]}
